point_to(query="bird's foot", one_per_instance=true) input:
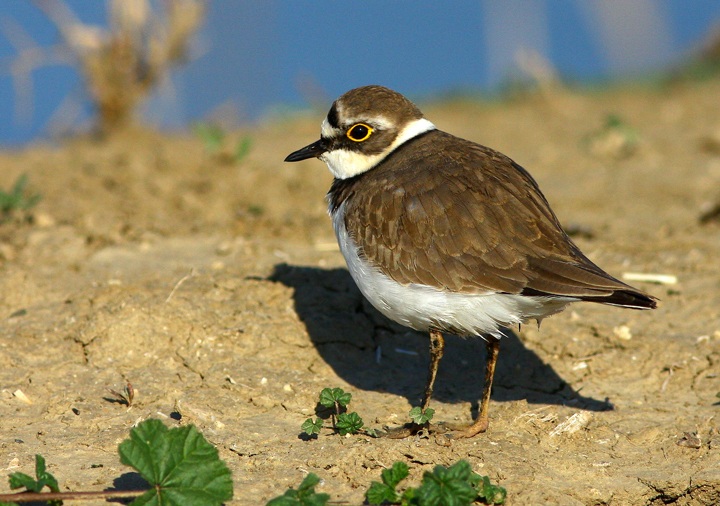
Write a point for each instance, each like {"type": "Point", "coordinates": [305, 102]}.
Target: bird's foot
{"type": "Point", "coordinates": [460, 431]}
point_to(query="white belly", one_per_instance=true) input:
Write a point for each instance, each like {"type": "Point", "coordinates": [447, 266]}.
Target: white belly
{"type": "Point", "coordinates": [422, 307]}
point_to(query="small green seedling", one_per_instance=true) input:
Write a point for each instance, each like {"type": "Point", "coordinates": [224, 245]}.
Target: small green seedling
{"type": "Point", "coordinates": [491, 494]}
{"type": "Point", "coordinates": [385, 493]}
{"type": "Point", "coordinates": [616, 138]}
{"type": "Point", "coordinates": [179, 464]}
{"type": "Point", "coordinates": [311, 427]}
{"type": "Point", "coordinates": [212, 136]}
{"type": "Point", "coordinates": [614, 122]}
{"type": "Point", "coordinates": [305, 495]}
{"type": "Point", "coordinates": [335, 397]}
{"type": "Point", "coordinates": [336, 400]}
{"type": "Point", "coordinates": [349, 423]}
{"type": "Point", "coordinates": [16, 199]}
{"type": "Point", "coordinates": [242, 148]}
{"type": "Point", "coordinates": [456, 485]}
{"type": "Point", "coordinates": [42, 479]}
{"type": "Point", "coordinates": [214, 141]}
{"type": "Point", "coordinates": [421, 417]}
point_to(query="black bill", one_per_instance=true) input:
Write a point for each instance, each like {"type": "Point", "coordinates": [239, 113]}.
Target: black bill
{"type": "Point", "coordinates": [312, 151]}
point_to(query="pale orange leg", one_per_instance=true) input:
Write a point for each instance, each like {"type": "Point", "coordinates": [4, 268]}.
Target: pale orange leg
{"type": "Point", "coordinates": [437, 348]}
{"type": "Point", "coordinates": [482, 421]}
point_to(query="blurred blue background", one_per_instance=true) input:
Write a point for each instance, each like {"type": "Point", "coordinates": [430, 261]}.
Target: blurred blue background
{"type": "Point", "coordinates": [255, 58]}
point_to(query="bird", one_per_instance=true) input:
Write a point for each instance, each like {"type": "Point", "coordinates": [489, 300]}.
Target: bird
{"type": "Point", "coordinates": [447, 236]}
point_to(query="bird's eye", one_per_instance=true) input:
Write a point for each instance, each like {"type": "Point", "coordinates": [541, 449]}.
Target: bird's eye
{"type": "Point", "coordinates": [359, 132]}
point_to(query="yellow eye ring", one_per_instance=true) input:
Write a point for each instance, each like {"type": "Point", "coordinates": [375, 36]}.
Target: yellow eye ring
{"type": "Point", "coordinates": [359, 132]}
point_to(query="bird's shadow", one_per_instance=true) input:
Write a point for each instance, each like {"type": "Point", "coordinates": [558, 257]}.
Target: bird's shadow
{"type": "Point", "coordinates": [372, 353]}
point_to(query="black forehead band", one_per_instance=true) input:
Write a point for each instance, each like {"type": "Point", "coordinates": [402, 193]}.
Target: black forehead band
{"type": "Point", "coordinates": [332, 117]}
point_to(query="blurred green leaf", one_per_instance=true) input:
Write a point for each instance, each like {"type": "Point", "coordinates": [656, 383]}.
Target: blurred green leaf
{"type": "Point", "coordinates": [212, 136]}
{"type": "Point", "coordinates": [305, 495]}
{"type": "Point", "coordinates": [380, 493]}
{"type": "Point", "coordinates": [242, 148]}
{"type": "Point", "coordinates": [42, 479]}
{"type": "Point", "coordinates": [15, 198]}
{"type": "Point", "coordinates": [447, 486]}
{"type": "Point", "coordinates": [492, 494]}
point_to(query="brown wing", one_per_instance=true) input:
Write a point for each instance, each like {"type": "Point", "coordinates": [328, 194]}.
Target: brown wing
{"type": "Point", "coordinates": [452, 214]}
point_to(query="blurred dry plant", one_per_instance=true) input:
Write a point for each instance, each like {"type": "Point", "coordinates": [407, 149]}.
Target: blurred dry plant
{"type": "Point", "coordinates": [120, 64]}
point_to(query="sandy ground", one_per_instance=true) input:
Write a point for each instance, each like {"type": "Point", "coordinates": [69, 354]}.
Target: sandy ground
{"type": "Point", "coordinates": [218, 291]}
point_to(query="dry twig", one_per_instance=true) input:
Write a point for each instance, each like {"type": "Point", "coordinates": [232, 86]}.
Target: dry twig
{"type": "Point", "coordinates": [120, 64]}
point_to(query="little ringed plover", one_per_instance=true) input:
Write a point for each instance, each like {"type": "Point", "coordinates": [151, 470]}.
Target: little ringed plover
{"type": "Point", "coordinates": [445, 235]}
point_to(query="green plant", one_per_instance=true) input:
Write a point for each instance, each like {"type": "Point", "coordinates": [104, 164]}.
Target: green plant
{"type": "Point", "coordinates": [456, 485]}
{"type": "Point", "coordinates": [336, 401]}
{"type": "Point", "coordinates": [312, 427]}
{"type": "Point", "coordinates": [421, 417]}
{"type": "Point", "coordinates": [214, 141]}
{"type": "Point", "coordinates": [616, 138]}
{"type": "Point", "coordinates": [615, 122]}
{"type": "Point", "coordinates": [305, 495]}
{"type": "Point", "coordinates": [242, 148]}
{"type": "Point", "coordinates": [179, 464]}
{"type": "Point", "coordinates": [16, 199]}
{"type": "Point", "coordinates": [452, 486]}
{"type": "Point", "coordinates": [385, 492]}
{"type": "Point", "coordinates": [42, 479]}
{"type": "Point", "coordinates": [212, 136]}
{"type": "Point", "coordinates": [349, 423]}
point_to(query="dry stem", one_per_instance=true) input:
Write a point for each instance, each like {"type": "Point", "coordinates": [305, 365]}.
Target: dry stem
{"type": "Point", "coordinates": [120, 64]}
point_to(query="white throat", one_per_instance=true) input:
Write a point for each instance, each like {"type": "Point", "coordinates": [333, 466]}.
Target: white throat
{"type": "Point", "coordinates": [345, 164]}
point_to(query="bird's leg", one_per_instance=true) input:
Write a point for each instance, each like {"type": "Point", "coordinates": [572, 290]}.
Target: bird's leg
{"type": "Point", "coordinates": [482, 421]}
{"type": "Point", "coordinates": [437, 348]}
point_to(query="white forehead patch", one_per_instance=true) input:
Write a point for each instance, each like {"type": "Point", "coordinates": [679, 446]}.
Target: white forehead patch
{"type": "Point", "coordinates": [328, 132]}
{"type": "Point", "coordinates": [344, 163]}
{"type": "Point", "coordinates": [379, 122]}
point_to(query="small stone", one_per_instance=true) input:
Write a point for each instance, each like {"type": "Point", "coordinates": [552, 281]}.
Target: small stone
{"type": "Point", "coordinates": [690, 440]}
{"type": "Point", "coordinates": [264, 401]}
{"type": "Point", "coordinates": [623, 332]}
{"type": "Point", "coordinates": [20, 395]}
{"type": "Point", "coordinates": [224, 248]}
{"type": "Point", "coordinates": [43, 220]}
